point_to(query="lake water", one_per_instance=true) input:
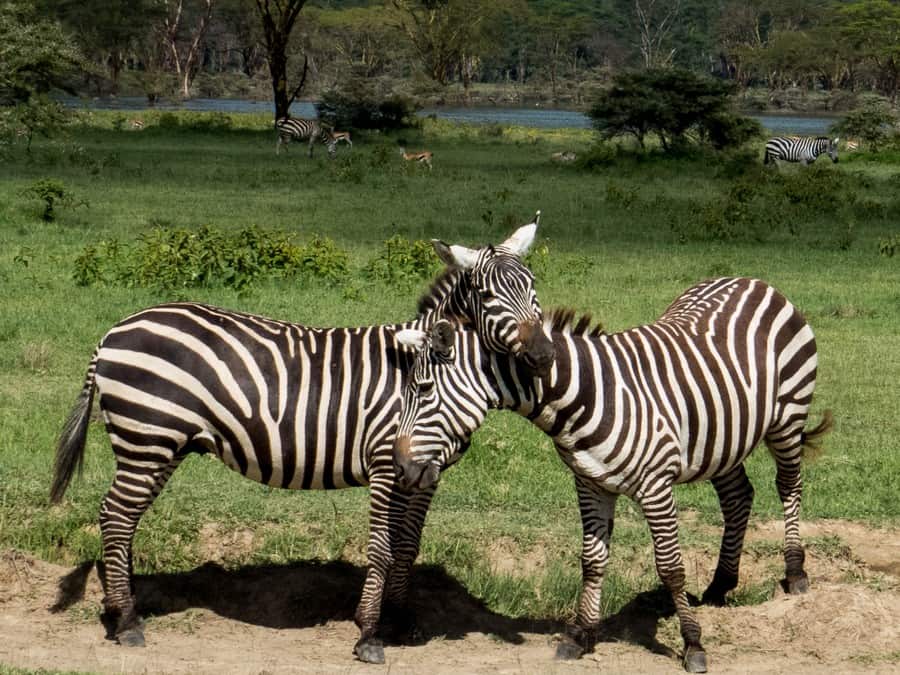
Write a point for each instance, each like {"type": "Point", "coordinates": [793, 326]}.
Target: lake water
{"type": "Point", "coordinates": [546, 118]}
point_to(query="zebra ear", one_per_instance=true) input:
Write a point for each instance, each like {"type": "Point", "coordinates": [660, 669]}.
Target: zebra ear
{"type": "Point", "coordinates": [456, 256]}
{"type": "Point", "coordinates": [520, 240]}
{"type": "Point", "coordinates": [412, 338]}
{"type": "Point", "coordinates": [443, 334]}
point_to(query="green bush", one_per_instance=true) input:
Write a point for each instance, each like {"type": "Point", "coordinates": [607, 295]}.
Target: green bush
{"type": "Point", "coordinates": [359, 106]}
{"type": "Point", "coordinates": [53, 194]}
{"type": "Point", "coordinates": [670, 103]}
{"type": "Point", "coordinates": [889, 246]}
{"type": "Point", "coordinates": [169, 258]}
{"type": "Point", "coordinates": [403, 260]}
{"type": "Point", "coordinates": [874, 123]}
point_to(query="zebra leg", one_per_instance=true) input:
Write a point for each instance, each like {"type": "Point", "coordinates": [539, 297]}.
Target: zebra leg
{"type": "Point", "coordinates": [130, 495]}
{"type": "Point", "coordinates": [786, 446]}
{"type": "Point", "coordinates": [387, 507]}
{"type": "Point", "coordinates": [312, 142]}
{"type": "Point", "coordinates": [396, 611]}
{"type": "Point", "coordinates": [597, 507]}
{"type": "Point", "coordinates": [659, 510]}
{"type": "Point", "coordinates": [736, 498]}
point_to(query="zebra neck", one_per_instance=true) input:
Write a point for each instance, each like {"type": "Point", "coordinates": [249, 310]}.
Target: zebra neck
{"type": "Point", "coordinates": [448, 297]}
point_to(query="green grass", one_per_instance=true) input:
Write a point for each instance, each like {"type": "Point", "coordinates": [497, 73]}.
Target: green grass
{"type": "Point", "coordinates": [611, 249]}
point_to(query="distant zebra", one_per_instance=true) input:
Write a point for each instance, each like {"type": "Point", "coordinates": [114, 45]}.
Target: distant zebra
{"type": "Point", "coordinates": [285, 405]}
{"type": "Point", "coordinates": [299, 129]}
{"type": "Point", "coordinates": [800, 149]}
{"type": "Point", "coordinates": [730, 363]}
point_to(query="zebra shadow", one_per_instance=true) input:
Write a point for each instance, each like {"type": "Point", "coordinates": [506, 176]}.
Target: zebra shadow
{"type": "Point", "coordinates": [303, 594]}
{"type": "Point", "coordinates": [637, 622]}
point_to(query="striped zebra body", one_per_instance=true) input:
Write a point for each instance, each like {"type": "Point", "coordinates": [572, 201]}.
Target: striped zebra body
{"type": "Point", "coordinates": [730, 363]}
{"type": "Point", "coordinates": [800, 149]}
{"type": "Point", "coordinates": [300, 129]}
{"type": "Point", "coordinates": [284, 405]}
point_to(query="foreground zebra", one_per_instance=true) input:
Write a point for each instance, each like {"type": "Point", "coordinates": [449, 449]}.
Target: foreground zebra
{"type": "Point", "coordinates": [730, 363]}
{"type": "Point", "coordinates": [299, 129]}
{"type": "Point", "coordinates": [800, 149]}
{"type": "Point", "coordinates": [287, 406]}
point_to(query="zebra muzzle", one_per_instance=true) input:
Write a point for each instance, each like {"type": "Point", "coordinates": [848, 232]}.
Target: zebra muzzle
{"type": "Point", "coordinates": [412, 475]}
{"type": "Point", "coordinates": [537, 351]}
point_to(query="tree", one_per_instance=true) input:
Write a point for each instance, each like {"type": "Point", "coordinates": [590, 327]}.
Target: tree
{"type": "Point", "coordinates": [669, 103]}
{"type": "Point", "coordinates": [184, 50]}
{"type": "Point", "coordinates": [108, 30]}
{"type": "Point", "coordinates": [655, 20]}
{"type": "Point", "coordinates": [36, 56]}
{"type": "Point", "coordinates": [278, 20]}
{"type": "Point", "coordinates": [872, 29]}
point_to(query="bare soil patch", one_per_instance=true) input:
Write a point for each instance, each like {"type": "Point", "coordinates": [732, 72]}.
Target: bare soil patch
{"type": "Point", "coordinates": [298, 618]}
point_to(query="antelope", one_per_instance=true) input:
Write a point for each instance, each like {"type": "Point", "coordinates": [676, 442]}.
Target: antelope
{"type": "Point", "coordinates": [423, 157]}
{"type": "Point", "coordinates": [341, 136]}
{"type": "Point", "coordinates": [137, 124]}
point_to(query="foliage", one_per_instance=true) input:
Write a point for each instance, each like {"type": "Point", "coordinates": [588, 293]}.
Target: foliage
{"type": "Point", "coordinates": [889, 246]}
{"type": "Point", "coordinates": [36, 55]}
{"type": "Point", "coordinates": [173, 258]}
{"type": "Point", "coordinates": [52, 193]}
{"type": "Point", "coordinates": [39, 115]}
{"type": "Point", "coordinates": [873, 123]}
{"type": "Point", "coordinates": [403, 260]}
{"type": "Point", "coordinates": [359, 107]}
{"type": "Point", "coordinates": [669, 103]}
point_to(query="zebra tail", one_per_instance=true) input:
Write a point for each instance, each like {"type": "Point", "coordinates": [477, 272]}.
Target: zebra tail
{"type": "Point", "coordinates": [812, 440]}
{"type": "Point", "coordinates": [70, 447]}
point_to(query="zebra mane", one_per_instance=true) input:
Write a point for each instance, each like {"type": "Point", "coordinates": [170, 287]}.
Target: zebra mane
{"type": "Point", "coordinates": [443, 291]}
{"type": "Point", "coordinates": [562, 320]}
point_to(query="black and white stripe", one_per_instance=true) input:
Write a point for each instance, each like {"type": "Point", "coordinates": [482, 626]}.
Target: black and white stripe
{"type": "Point", "coordinates": [283, 404]}
{"type": "Point", "coordinates": [800, 149]}
{"type": "Point", "coordinates": [729, 364]}
{"type": "Point", "coordinates": [300, 129]}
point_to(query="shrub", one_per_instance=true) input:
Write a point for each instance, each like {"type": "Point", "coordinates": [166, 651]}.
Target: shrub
{"type": "Point", "coordinates": [404, 260]}
{"type": "Point", "coordinates": [359, 106]}
{"type": "Point", "coordinates": [670, 103]}
{"type": "Point", "coordinates": [52, 193]}
{"type": "Point", "coordinates": [873, 123]}
{"type": "Point", "coordinates": [169, 258]}
{"type": "Point", "coordinates": [889, 246]}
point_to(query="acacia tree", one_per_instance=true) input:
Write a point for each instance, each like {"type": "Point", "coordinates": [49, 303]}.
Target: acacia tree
{"type": "Point", "coordinates": [278, 19]}
{"type": "Point", "coordinates": [184, 51]}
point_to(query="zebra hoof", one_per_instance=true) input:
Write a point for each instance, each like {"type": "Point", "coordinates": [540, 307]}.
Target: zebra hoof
{"type": "Point", "coordinates": [369, 651]}
{"type": "Point", "coordinates": [568, 649]}
{"type": "Point", "coordinates": [132, 637]}
{"type": "Point", "coordinates": [694, 660]}
{"type": "Point", "coordinates": [797, 585]}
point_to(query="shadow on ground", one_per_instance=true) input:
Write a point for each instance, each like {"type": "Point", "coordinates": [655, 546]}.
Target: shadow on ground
{"type": "Point", "coordinates": [310, 593]}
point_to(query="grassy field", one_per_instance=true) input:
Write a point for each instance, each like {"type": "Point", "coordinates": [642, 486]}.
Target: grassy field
{"type": "Point", "coordinates": [619, 238]}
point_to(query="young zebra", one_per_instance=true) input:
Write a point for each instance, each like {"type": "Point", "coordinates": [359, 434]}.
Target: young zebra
{"type": "Point", "coordinates": [800, 149]}
{"type": "Point", "coordinates": [284, 405]}
{"type": "Point", "coordinates": [299, 129]}
{"type": "Point", "coordinates": [730, 363]}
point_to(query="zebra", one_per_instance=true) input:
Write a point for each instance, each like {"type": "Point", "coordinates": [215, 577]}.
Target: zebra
{"type": "Point", "coordinates": [300, 129]}
{"type": "Point", "coordinates": [800, 149]}
{"type": "Point", "coordinates": [287, 406]}
{"type": "Point", "coordinates": [687, 398]}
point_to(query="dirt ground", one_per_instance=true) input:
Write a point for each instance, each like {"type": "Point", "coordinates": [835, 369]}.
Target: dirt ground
{"type": "Point", "coordinates": [298, 618]}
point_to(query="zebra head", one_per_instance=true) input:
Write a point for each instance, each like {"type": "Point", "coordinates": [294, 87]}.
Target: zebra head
{"type": "Point", "coordinates": [445, 400]}
{"type": "Point", "coordinates": [502, 302]}
{"type": "Point", "coordinates": [832, 149]}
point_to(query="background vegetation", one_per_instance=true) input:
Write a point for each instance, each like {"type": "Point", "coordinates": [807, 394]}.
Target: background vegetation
{"type": "Point", "coordinates": [336, 242]}
{"type": "Point", "coordinates": [803, 53]}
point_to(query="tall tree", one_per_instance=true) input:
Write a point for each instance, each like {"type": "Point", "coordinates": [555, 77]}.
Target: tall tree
{"type": "Point", "coordinates": [184, 43]}
{"type": "Point", "coordinates": [278, 20]}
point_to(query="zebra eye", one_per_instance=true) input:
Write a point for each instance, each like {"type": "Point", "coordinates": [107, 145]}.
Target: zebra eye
{"type": "Point", "coordinates": [426, 387]}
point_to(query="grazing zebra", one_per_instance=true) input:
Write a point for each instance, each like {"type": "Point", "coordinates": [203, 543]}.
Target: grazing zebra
{"type": "Point", "coordinates": [420, 157]}
{"type": "Point", "coordinates": [284, 405]}
{"type": "Point", "coordinates": [299, 129]}
{"type": "Point", "coordinates": [800, 149]}
{"type": "Point", "coordinates": [730, 363]}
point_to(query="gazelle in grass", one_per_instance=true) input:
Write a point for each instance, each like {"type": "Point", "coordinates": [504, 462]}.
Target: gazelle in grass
{"type": "Point", "coordinates": [422, 157]}
{"type": "Point", "coordinates": [339, 136]}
